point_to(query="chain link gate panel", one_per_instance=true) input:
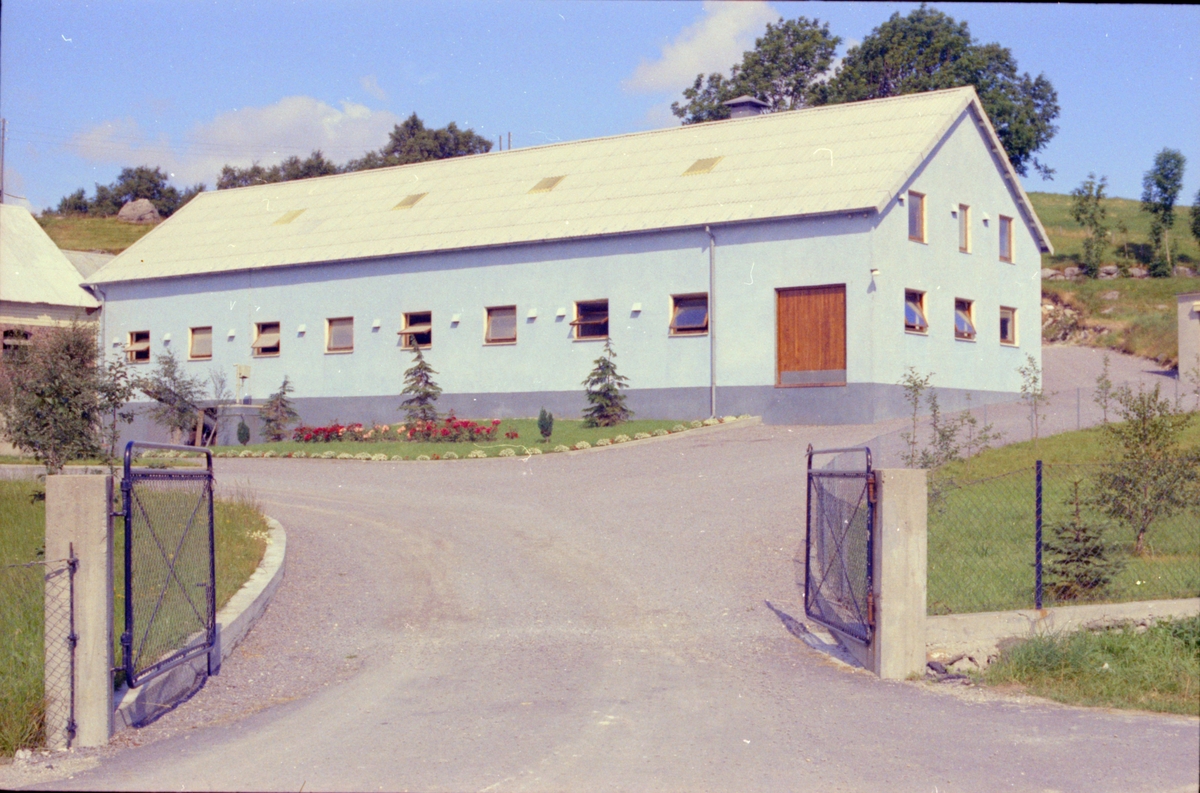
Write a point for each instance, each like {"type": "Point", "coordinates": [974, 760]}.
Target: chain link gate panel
{"type": "Point", "coordinates": [170, 569]}
{"type": "Point", "coordinates": [838, 569]}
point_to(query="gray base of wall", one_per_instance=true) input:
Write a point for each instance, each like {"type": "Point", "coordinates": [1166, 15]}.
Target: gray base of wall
{"type": "Point", "coordinates": [854, 403]}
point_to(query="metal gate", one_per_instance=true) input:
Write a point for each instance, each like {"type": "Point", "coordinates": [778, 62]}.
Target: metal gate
{"type": "Point", "coordinates": [838, 574]}
{"type": "Point", "coordinates": [170, 571]}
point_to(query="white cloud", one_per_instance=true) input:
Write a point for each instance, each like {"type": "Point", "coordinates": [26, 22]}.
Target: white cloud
{"type": "Point", "coordinates": [371, 86]}
{"type": "Point", "coordinates": [294, 125]}
{"type": "Point", "coordinates": [14, 190]}
{"type": "Point", "coordinates": [712, 44]}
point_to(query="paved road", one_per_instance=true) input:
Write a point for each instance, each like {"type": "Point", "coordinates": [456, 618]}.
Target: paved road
{"type": "Point", "coordinates": [591, 621]}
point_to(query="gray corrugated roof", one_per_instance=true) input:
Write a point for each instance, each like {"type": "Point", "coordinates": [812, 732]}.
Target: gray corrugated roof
{"type": "Point", "coordinates": [88, 262]}
{"type": "Point", "coordinates": [32, 268]}
{"type": "Point", "coordinates": [819, 160]}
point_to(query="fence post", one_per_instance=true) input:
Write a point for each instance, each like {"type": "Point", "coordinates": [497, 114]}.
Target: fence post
{"type": "Point", "coordinates": [899, 556]}
{"type": "Point", "coordinates": [79, 517]}
{"type": "Point", "coordinates": [1037, 540]}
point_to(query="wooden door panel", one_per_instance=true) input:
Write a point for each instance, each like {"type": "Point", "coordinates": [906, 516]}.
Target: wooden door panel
{"type": "Point", "coordinates": [811, 336]}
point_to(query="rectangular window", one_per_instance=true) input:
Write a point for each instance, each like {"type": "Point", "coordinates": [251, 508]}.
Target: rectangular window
{"type": "Point", "coordinates": [501, 325]}
{"type": "Point", "coordinates": [914, 311]}
{"type": "Point", "coordinates": [138, 348]}
{"type": "Point", "coordinates": [418, 330]}
{"type": "Point", "coordinates": [339, 335]}
{"type": "Point", "coordinates": [964, 319]}
{"type": "Point", "coordinates": [689, 315]}
{"type": "Point", "coordinates": [916, 216]}
{"type": "Point", "coordinates": [1008, 325]}
{"type": "Point", "coordinates": [200, 347]}
{"type": "Point", "coordinates": [1006, 239]}
{"type": "Point", "coordinates": [964, 228]}
{"type": "Point", "coordinates": [591, 319]}
{"type": "Point", "coordinates": [266, 339]}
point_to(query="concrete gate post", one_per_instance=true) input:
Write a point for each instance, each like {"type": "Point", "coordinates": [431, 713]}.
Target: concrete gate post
{"type": "Point", "coordinates": [79, 514]}
{"type": "Point", "coordinates": [898, 644]}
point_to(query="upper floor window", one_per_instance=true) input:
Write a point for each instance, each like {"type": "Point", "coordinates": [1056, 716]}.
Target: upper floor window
{"type": "Point", "coordinates": [914, 311]}
{"type": "Point", "coordinates": [1008, 325]}
{"type": "Point", "coordinates": [689, 314]}
{"type": "Point", "coordinates": [339, 334]}
{"type": "Point", "coordinates": [418, 330]}
{"type": "Point", "coordinates": [591, 319]}
{"type": "Point", "coordinates": [501, 325]}
{"type": "Point", "coordinates": [138, 348]}
{"type": "Point", "coordinates": [200, 344]}
{"type": "Point", "coordinates": [964, 228]}
{"type": "Point", "coordinates": [964, 319]}
{"type": "Point", "coordinates": [1006, 239]}
{"type": "Point", "coordinates": [266, 339]}
{"type": "Point", "coordinates": [916, 216]}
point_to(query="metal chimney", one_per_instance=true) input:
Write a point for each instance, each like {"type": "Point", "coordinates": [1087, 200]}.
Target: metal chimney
{"type": "Point", "coordinates": [745, 106]}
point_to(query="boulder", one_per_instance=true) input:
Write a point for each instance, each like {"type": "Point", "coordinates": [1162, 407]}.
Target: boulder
{"type": "Point", "coordinates": [1110, 271]}
{"type": "Point", "coordinates": [1185, 272]}
{"type": "Point", "coordinates": [139, 211]}
{"type": "Point", "coordinates": [1048, 273]}
{"type": "Point", "coordinates": [1071, 272]}
{"type": "Point", "coordinates": [1138, 272]}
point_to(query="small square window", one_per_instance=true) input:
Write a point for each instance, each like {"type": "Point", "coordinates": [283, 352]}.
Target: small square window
{"type": "Point", "coordinates": [1006, 239]}
{"type": "Point", "coordinates": [1008, 325]}
{"type": "Point", "coordinates": [964, 319]}
{"type": "Point", "coordinates": [200, 346]}
{"type": "Point", "coordinates": [914, 312]}
{"type": "Point", "coordinates": [418, 330]}
{"type": "Point", "coordinates": [964, 228]}
{"type": "Point", "coordinates": [266, 339]}
{"type": "Point", "coordinates": [689, 315]}
{"type": "Point", "coordinates": [916, 216]}
{"type": "Point", "coordinates": [501, 325]}
{"type": "Point", "coordinates": [591, 319]}
{"type": "Point", "coordinates": [339, 335]}
{"type": "Point", "coordinates": [138, 348]}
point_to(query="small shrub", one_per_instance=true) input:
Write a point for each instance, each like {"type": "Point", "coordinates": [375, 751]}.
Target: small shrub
{"type": "Point", "coordinates": [641, 436]}
{"type": "Point", "coordinates": [345, 456]}
{"type": "Point", "coordinates": [604, 442]}
{"type": "Point", "coordinates": [678, 428]}
{"type": "Point", "coordinates": [533, 450]}
{"type": "Point", "coordinates": [696, 424]}
{"type": "Point", "coordinates": [379, 458]}
{"type": "Point", "coordinates": [583, 445]}
{"type": "Point", "coordinates": [728, 418]}
{"type": "Point", "coordinates": [243, 432]}
{"type": "Point", "coordinates": [545, 424]}
{"type": "Point", "coordinates": [328, 455]}
{"type": "Point", "coordinates": [744, 416]}
{"type": "Point", "coordinates": [477, 454]}
{"type": "Point", "coordinates": [450, 456]}
{"type": "Point", "coordinates": [709, 422]}
{"type": "Point", "coordinates": [299, 455]}
{"type": "Point", "coordinates": [657, 433]}
{"type": "Point", "coordinates": [397, 457]}
{"type": "Point", "coordinates": [507, 453]}
{"type": "Point", "coordinates": [423, 457]}
{"type": "Point", "coordinates": [270, 453]}
{"type": "Point", "coordinates": [363, 456]}
{"type": "Point", "coordinates": [623, 438]}
{"type": "Point", "coordinates": [561, 448]}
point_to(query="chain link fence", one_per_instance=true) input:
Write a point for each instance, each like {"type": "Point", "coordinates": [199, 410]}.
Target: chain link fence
{"type": "Point", "coordinates": [37, 637]}
{"type": "Point", "coordinates": [986, 554]}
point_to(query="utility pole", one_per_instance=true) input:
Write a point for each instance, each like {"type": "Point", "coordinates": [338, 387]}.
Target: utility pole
{"type": "Point", "coordinates": [510, 141]}
{"type": "Point", "coordinates": [3, 135]}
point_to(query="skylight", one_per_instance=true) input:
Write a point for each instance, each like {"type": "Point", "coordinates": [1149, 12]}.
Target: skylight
{"type": "Point", "coordinates": [410, 201]}
{"type": "Point", "coordinates": [288, 217]}
{"type": "Point", "coordinates": [547, 184]}
{"type": "Point", "coordinates": [703, 166]}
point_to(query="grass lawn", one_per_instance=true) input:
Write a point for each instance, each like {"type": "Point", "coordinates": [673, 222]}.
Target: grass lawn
{"type": "Point", "coordinates": [92, 234]}
{"type": "Point", "coordinates": [1054, 210]}
{"type": "Point", "coordinates": [981, 530]}
{"type": "Point", "coordinates": [1141, 320]}
{"type": "Point", "coordinates": [240, 542]}
{"type": "Point", "coordinates": [566, 433]}
{"type": "Point", "coordinates": [1157, 669]}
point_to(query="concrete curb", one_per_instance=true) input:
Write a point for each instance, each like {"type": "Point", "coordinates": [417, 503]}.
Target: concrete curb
{"type": "Point", "coordinates": [980, 634]}
{"type": "Point", "coordinates": [16, 471]}
{"type": "Point", "coordinates": [134, 707]}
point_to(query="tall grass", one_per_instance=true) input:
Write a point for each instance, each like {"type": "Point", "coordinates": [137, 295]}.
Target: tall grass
{"type": "Point", "coordinates": [1157, 669]}
{"type": "Point", "coordinates": [240, 536]}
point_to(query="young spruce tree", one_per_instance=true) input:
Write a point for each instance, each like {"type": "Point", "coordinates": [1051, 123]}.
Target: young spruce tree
{"type": "Point", "coordinates": [603, 389]}
{"type": "Point", "coordinates": [1081, 562]}
{"type": "Point", "coordinates": [422, 390]}
{"type": "Point", "coordinates": [545, 425]}
{"type": "Point", "coordinates": [278, 413]}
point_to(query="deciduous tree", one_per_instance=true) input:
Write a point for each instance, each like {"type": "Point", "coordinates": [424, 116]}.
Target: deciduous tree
{"type": "Point", "coordinates": [1088, 209]}
{"type": "Point", "coordinates": [1160, 190]}
{"type": "Point", "coordinates": [176, 396]}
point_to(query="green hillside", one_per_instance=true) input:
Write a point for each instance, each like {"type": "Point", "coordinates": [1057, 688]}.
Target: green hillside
{"type": "Point", "coordinates": [1066, 235]}
{"type": "Point", "coordinates": [74, 233]}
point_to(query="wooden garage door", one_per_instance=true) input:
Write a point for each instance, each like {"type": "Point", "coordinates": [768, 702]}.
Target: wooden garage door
{"type": "Point", "coordinates": [811, 336]}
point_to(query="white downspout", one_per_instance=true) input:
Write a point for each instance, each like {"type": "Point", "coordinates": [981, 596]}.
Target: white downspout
{"type": "Point", "coordinates": [712, 313]}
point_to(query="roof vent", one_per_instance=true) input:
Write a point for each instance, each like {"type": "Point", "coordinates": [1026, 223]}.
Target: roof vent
{"type": "Point", "coordinates": [547, 184]}
{"type": "Point", "coordinates": [703, 166]}
{"type": "Point", "coordinates": [744, 106]}
{"type": "Point", "coordinates": [288, 217]}
{"type": "Point", "coordinates": [410, 201]}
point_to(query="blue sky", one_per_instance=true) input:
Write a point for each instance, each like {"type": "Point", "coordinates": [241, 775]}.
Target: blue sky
{"type": "Point", "coordinates": [90, 87]}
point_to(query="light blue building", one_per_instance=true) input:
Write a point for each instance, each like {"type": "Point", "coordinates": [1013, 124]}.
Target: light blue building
{"type": "Point", "coordinates": [789, 265]}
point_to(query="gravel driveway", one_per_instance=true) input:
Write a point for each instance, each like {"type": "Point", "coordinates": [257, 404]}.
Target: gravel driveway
{"type": "Point", "coordinates": [587, 621]}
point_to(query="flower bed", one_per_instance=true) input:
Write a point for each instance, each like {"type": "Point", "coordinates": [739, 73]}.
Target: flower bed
{"type": "Point", "coordinates": [451, 430]}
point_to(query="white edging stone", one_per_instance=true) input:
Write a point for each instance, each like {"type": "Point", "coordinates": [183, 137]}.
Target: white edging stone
{"type": "Point", "coordinates": [139, 705]}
